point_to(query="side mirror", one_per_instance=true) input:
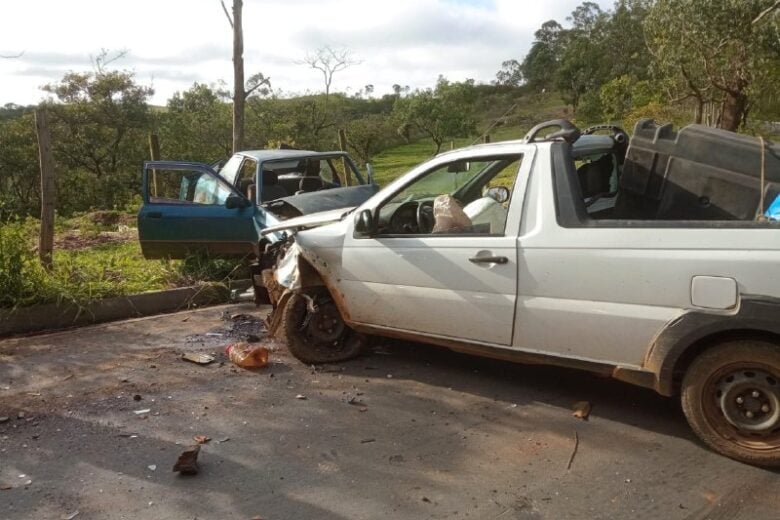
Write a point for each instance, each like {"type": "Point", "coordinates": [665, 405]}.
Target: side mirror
{"type": "Point", "coordinates": [233, 201]}
{"type": "Point", "coordinates": [364, 223]}
{"type": "Point", "coordinates": [498, 193]}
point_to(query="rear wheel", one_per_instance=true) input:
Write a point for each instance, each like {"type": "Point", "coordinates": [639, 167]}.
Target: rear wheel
{"type": "Point", "coordinates": [731, 398]}
{"type": "Point", "coordinates": [314, 331]}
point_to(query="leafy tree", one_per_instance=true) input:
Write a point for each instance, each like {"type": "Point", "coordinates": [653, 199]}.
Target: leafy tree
{"type": "Point", "coordinates": [369, 135]}
{"type": "Point", "coordinates": [510, 75]}
{"type": "Point", "coordinates": [99, 123]}
{"type": "Point", "coordinates": [19, 175]}
{"type": "Point", "coordinates": [440, 113]}
{"type": "Point", "coordinates": [712, 50]}
{"type": "Point", "coordinates": [539, 68]}
{"type": "Point", "coordinates": [196, 126]}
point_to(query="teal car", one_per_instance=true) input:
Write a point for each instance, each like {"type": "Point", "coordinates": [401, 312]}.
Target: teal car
{"type": "Point", "coordinates": [191, 207]}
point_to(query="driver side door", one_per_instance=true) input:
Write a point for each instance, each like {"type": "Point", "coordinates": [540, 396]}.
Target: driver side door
{"type": "Point", "coordinates": [188, 208]}
{"type": "Point", "coordinates": [461, 285]}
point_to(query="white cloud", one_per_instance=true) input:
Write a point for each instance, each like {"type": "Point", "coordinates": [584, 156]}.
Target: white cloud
{"type": "Point", "coordinates": [173, 43]}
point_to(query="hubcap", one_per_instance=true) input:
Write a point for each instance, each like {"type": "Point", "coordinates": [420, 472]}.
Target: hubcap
{"type": "Point", "coordinates": [750, 401]}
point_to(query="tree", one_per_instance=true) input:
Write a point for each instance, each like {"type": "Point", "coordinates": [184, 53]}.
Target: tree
{"type": "Point", "coordinates": [440, 113]}
{"type": "Point", "coordinates": [329, 61]}
{"type": "Point", "coordinates": [369, 135]}
{"type": "Point", "coordinates": [99, 124]}
{"type": "Point", "coordinates": [510, 75]}
{"type": "Point", "coordinates": [540, 65]}
{"type": "Point", "coordinates": [713, 51]}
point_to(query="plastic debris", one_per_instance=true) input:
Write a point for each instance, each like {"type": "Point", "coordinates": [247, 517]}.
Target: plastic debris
{"type": "Point", "coordinates": [246, 356]}
{"type": "Point", "coordinates": [301, 397]}
{"type": "Point", "coordinates": [198, 358]}
{"type": "Point", "coordinates": [581, 410]}
{"type": "Point", "coordinates": [141, 412]}
{"type": "Point", "coordinates": [187, 463]}
{"type": "Point", "coordinates": [201, 439]}
{"type": "Point", "coordinates": [152, 467]}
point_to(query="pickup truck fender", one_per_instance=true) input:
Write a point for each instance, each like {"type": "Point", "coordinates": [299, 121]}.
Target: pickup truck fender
{"type": "Point", "coordinates": [687, 336]}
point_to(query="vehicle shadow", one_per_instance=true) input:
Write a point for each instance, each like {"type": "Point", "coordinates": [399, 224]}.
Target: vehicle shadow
{"type": "Point", "coordinates": [515, 383]}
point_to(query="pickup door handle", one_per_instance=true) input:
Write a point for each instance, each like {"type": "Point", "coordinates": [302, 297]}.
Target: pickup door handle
{"type": "Point", "coordinates": [488, 260]}
{"type": "Point", "coordinates": [154, 214]}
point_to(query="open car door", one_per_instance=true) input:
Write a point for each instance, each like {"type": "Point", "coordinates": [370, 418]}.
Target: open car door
{"type": "Point", "coordinates": [188, 208]}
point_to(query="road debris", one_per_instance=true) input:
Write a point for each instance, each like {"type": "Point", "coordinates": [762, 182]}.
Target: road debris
{"type": "Point", "coordinates": [301, 397]}
{"type": "Point", "coordinates": [4, 419]}
{"type": "Point", "coordinates": [581, 410]}
{"type": "Point", "coordinates": [20, 415]}
{"type": "Point", "coordinates": [137, 397]}
{"type": "Point", "coordinates": [6, 487]}
{"type": "Point", "coordinates": [141, 412]}
{"type": "Point", "coordinates": [245, 356]}
{"type": "Point", "coordinates": [69, 516]}
{"type": "Point", "coordinates": [224, 439]}
{"type": "Point", "coordinates": [152, 467]}
{"type": "Point", "coordinates": [214, 334]}
{"type": "Point", "coordinates": [198, 358]}
{"type": "Point", "coordinates": [366, 441]}
{"type": "Point", "coordinates": [187, 463]}
{"type": "Point", "coordinates": [201, 439]}
{"type": "Point", "coordinates": [574, 450]}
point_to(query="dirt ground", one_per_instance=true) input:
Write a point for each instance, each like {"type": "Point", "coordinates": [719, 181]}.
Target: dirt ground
{"type": "Point", "coordinates": [407, 432]}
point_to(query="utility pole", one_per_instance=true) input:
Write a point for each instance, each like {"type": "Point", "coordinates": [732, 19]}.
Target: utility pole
{"type": "Point", "coordinates": [48, 190]}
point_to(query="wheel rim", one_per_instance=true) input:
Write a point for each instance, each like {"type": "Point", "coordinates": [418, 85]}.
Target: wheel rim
{"type": "Point", "coordinates": [323, 328]}
{"type": "Point", "coordinates": [742, 403]}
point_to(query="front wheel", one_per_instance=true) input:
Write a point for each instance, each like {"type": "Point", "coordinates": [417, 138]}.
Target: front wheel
{"type": "Point", "coordinates": [731, 398]}
{"type": "Point", "coordinates": [314, 331]}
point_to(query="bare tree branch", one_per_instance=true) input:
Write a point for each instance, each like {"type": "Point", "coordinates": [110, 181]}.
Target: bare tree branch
{"type": "Point", "coordinates": [329, 61]}
{"type": "Point", "coordinates": [766, 11]}
{"type": "Point", "coordinates": [227, 13]}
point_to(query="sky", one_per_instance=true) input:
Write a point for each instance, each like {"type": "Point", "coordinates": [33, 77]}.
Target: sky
{"type": "Point", "coordinates": [171, 44]}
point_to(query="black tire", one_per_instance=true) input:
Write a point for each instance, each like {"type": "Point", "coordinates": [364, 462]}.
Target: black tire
{"type": "Point", "coordinates": [730, 398]}
{"type": "Point", "coordinates": [308, 349]}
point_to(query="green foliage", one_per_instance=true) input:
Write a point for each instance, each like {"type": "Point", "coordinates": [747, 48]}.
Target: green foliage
{"type": "Point", "coordinates": [441, 113]}
{"type": "Point", "coordinates": [19, 176]}
{"type": "Point", "coordinates": [711, 51]}
{"type": "Point", "coordinates": [371, 134]}
{"type": "Point", "coordinates": [510, 75]}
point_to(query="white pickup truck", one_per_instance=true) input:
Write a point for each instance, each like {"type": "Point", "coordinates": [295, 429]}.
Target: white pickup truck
{"type": "Point", "coordinates": [658, 266]}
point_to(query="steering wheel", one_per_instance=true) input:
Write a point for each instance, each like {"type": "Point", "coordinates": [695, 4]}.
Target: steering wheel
{"type": "Point", "coordinates": [425, 220]}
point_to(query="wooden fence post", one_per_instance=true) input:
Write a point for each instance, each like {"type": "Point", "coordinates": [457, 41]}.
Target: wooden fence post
{"type": "Point", "coordinates": [343, 148]}
{"type": "Point", "coordinates": [154, 153]}
{"type": "Point", "coordinates": [48, 190]}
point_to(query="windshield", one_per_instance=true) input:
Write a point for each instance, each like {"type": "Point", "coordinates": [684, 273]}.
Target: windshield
{"type": "Point", "coordinates": [448, 179]}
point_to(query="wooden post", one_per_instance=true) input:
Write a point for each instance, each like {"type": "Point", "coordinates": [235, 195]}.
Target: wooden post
{"type": "Point", "coordinates": [486, 138]}
{"type": "Point", "coordinates": [343, 148]}
{"type": "Point", "coordinates": [154, 153]}
{"type": "Point", "coordinates": [48, 190]}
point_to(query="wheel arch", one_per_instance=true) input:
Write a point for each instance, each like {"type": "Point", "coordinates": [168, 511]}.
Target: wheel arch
{"type": "Point", "coordinates": [684, 338]}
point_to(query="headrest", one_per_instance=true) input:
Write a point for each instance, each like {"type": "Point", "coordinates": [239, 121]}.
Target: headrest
{"type": "Point", "coordinates": [310, 184]}
{"type": "Point", "coordinates": [270, 178]}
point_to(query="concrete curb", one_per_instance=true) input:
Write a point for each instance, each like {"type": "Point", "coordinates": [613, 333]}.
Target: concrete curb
{"type": "Point", "coordinates": [67, 314]}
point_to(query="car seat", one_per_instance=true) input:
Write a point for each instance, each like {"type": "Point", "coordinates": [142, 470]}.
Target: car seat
{"type": "Point", "coordinates": [308, 184]}
{"type": "Point", "coordinates": [271, 188]}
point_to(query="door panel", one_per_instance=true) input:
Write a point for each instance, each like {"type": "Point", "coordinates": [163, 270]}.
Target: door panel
{"type": "Point", "coordinates": [431, 285]}
{"type": "Point", "coordinates": [185, 211]}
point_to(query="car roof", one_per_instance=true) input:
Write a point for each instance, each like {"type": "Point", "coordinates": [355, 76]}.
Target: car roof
{"type": "Point", "coordinates": [271, 155]}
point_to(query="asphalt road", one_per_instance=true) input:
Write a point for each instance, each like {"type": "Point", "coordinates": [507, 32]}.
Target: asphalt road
{"type": "Point", "coordinates": [408, 432]}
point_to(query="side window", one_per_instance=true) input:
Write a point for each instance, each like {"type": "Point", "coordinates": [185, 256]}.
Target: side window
{"type": "Point", "coordinates": [185, 187]}
{"type": "Point", "coordinates": [468, 197]}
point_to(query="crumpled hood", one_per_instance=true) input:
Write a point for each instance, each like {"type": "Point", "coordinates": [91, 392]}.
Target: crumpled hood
{"type": "Point", "coordinates": [308, 221]}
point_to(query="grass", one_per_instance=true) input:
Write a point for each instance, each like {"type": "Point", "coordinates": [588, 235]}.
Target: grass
{"type": "Point", "coordinates": [93, 272]}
